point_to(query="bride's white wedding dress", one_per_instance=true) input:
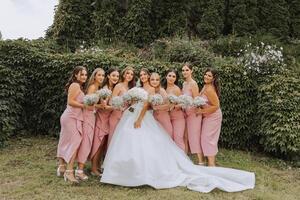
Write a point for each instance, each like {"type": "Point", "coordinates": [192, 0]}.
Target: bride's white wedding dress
{"type": "Point", "coordinates": [148, 156]}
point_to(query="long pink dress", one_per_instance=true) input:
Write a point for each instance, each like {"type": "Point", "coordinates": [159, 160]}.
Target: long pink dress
{"type": "Point", "coordinates": [163, 117]}
{"type": "Point", "coordinates": [211, 128]}
{"type": "Point", "coordinates": [101, 130]}
{"type": "Point", "coordinates": [71, 132]}
{"type": "Point", "coordinates": [193, 124]}
{"type": "Point", "coordinates": [87, 136]}
{"type": "Point", "coordinates": [178, 124]}
{"type": "Point", "coordinates": [114, 120]}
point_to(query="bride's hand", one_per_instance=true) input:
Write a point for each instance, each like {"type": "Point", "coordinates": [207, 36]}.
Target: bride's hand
{"type": "Point", "coordinates": [137, 124]}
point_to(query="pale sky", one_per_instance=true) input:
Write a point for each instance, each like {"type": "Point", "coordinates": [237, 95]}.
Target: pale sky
{"type": "Point", "coordinates": [25, 18]}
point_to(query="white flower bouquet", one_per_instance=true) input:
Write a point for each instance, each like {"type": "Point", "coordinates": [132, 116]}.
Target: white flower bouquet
{"type": "Point", "coordinates": [137, 94]}
{"type": "Point", "coordinates": [90, 99]}
{"type": "Point", "coordinates": [117, 102]}
{"type": "Point", "coordinates": [103, 93]}
{"type": "Point", "coordinates": [173, 98]}
{"type": "Point", "coordinates": [185, 101]}
{"type": "Point", "coordinates": [156, 99]}
{"type": "Point", "coordinates": [199, 101]}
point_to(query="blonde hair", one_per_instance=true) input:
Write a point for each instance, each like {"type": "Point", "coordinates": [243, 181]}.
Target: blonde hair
{"type": "Point", "coordinates": [156, 74]}
{"type": "Point", "coordinates": [92, 78]}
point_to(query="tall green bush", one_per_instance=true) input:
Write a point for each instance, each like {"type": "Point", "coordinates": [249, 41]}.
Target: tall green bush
{"type": "Point", "coordinates": [12, 92]}
{"type": "Point", "coordinates": [279, 114]}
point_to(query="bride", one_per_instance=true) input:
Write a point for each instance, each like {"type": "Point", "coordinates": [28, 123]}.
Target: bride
{"type": "Point", "coordinates": [142, 153]}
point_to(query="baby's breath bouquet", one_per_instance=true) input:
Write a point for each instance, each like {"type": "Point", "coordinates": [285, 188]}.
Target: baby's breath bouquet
{"type": "Point", "coordinates": [185, 101]}
{"type": "Point", "coordinates": [90, 99]}
{"type": "Point", "coordinates": [137, 94]}
{"type": "Point", "coordinates": [156, 99]}
{"type": "Point", "coordinates": [173, 98]}
{"type": "Point", "coordinates": [117, 102]}
{"type": "Point", "coordinates": [104, 93]}
{"type": "Point", "coordinates": [199, 101]}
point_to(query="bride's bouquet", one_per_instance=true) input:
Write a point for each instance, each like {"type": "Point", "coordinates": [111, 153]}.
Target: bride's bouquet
{"type": "Point", "coordinates": [137, 94]}
{"type": "Point", "coordinates": [173, 99]}
{"type": "Point", "coordinates": [156, 99]}
{"type": "Point", "coordinates": [185, 101]}
{"type": "Point", "coordinates": [199, 101]}
{"type": "Point", "coordinates": [90, 99]}
{"type": "Point", "coordinates": [103, 93]}
{"type": "Point", "coordinates": [117, 102]}
{"type": "Point", "coordinates": [126, 98]}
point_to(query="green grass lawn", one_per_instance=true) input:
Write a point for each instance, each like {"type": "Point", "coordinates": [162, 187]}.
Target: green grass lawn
{"type": "Point", "coordinates": [28, 166]}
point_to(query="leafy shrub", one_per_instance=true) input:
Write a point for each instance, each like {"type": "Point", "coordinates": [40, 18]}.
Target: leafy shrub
{"type": "Point", "coordinates": [279, 114]}
{"type": "Point", "coordinates": [12, 92]}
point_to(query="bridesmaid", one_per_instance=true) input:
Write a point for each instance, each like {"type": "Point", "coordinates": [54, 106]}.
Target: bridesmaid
{"type": "Point", "coordinates": [71, 124]}
{"type": "Point", "coordinates": [212, 116]}
{"type": "Point", "coordinates": [127, 82]}
{"type": "Point", "coordinates": [161, 112]}
{"type": "Point", "coordinates": [102, 119]}
{"type": "Point", "coordinates": [193, 121]}
{"type": "Point", "coordinates": [176, 113]}
{"type": "Point", "coordinates": [95, 82]}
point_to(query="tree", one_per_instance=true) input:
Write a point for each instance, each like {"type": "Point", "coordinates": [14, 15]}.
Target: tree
{"type": "Point", "coordinates": [107, 18]}
{"type": "Point", "coordinates": [242, 17]}
{"type": "Point", "coordinates": [0, 35]}
{"type": "Point", "coordinates": [136, 26]}
{"type": "Point", "coordinates": [212, 20]}
{"type": "Point", "coordinates": [294, 10]}
{"type": "Point", "coordinates": [72, 24]}
{"type": "Point", "coordinates": [167, 17]}
{"type": "Point", "coordinates": [274, 17]}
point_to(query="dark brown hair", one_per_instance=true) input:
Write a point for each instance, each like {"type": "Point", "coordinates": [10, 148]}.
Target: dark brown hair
{"type": "Point", "coordinates": [164, 81]}
{"type": "Point", "coordinates": [147, 72]}
{"type": "Point", "coordinates": [73, 78]}
{"type": "Point", "coordinates": [216, 80]}
{"type": "Point", "coordinates": [106, 80]}
{"type": "Point", "coordinates": [131, 84]}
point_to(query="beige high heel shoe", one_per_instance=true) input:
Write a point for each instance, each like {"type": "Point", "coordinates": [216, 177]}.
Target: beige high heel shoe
{"type": "Point", "coordinates": [79, 174]}
{"type": "Point", "coordinates": [60, 170]}
{"type": "Point", "coordinates": [69, 176]}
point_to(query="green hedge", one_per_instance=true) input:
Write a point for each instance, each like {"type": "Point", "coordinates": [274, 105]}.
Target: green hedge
{"type": "Point", "coordinates": [12, 92]}
{"type": "Point", "coordinates": [244, 100]}
{"type": "Point", "coordinates": [279, 114]}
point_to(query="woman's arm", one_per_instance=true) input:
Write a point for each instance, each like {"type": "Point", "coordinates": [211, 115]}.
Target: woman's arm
{"type": "Point", "coordinates": [195, 89]}
{"type": "Point", "coordinates": [138, 122]}
{"type": "Point", "coordinates": [177, 92]}
{"type": "Point", "coordinates": [214, 101]}
{"type": "Point", "coordinates": [73, 92]}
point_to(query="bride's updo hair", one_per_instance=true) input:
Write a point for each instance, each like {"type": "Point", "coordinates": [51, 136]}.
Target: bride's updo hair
{"type": "Point", "coordinates": [131, 84]}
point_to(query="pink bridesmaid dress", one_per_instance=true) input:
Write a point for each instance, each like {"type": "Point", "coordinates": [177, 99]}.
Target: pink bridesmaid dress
{"type": "Point", "coordinates": [71, 130]}
{"type": "Point", "coordinates": [193, 124]}
{"type": "Point", "coordinates": [84, 150]}
{"type": "Point", "coordinates": [101, 130]}
{"type": "Point", "coordinates": [114, 120]}
{"type": "Point", "coordinates": [211, 128]}
{"type": "Point", "coordinates": [178, 125]}
{"type": "Point", "coordinates": [163, 117]}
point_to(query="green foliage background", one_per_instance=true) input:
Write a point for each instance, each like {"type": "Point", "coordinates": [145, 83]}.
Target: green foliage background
{"type": "Point", "coordinates": [140, 22]}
